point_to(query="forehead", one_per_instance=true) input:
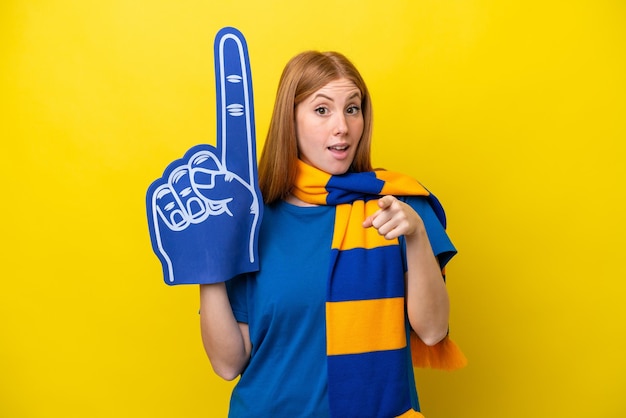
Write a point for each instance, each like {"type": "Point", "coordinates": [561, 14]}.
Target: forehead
{"type": "Point", "coordinates": [338, 87]}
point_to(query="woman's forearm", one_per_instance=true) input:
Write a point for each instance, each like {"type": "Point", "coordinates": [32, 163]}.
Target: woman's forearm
{"type": "Point", "coordinates": [428, 305]}
{"type": "Point", "coordinates": [226, 342]}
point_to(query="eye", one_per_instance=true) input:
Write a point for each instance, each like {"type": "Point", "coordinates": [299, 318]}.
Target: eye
{"type": "Point", "coordinates": [353, 110]}
{"type": "Point", "coordinates": [321, 110]}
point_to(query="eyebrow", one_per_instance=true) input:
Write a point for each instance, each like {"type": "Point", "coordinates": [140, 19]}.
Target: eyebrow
{"type": "Point", "coordinates": [355, 94]}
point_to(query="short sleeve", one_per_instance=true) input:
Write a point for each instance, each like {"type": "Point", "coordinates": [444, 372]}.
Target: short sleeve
{"type": "Point", "coordinates": [439, 240]}
{"type": "Point", "coordinates": [237, 289]}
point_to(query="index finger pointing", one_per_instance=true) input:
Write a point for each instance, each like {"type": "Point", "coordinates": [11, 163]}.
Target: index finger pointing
{"type": "Point", "coordinates": [235, 106]}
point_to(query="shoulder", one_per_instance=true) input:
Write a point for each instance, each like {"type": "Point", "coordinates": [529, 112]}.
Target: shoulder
{"type": "Point", "coordinates": [433, 216]}
{"type": "Point", "coordinates": [428, 207]}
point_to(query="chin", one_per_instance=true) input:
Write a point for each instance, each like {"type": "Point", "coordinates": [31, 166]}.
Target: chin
{"type": "Point", "coordinates": [332, 167]}
{"type": "Point", "coordinates": [337, 170]}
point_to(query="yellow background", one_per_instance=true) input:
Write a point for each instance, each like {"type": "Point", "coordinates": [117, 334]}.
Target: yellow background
{"type": "Point", "coordinates": [513, 112]}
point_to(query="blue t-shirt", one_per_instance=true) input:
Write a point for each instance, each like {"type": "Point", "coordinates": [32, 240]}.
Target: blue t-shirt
{"type": "Point", "coordinates": [284, 307]}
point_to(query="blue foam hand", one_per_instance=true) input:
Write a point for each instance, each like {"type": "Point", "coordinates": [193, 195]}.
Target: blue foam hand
{"type": "Point", "coordinates": [204, 213]}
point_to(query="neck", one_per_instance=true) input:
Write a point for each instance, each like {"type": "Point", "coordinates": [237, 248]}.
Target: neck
{"type": "Point", "coordinates": [291, 199]}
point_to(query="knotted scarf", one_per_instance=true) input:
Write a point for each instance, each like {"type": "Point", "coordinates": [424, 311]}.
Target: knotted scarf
{"type": "Point", "coordinates": [367, 330]}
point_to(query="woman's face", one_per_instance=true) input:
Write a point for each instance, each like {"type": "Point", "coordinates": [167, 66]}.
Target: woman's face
{"type": "Point", "coordinates": [329, 125]}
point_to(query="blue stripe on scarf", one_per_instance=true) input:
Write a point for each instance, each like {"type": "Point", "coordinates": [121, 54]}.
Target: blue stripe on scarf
{"type": "Point", "coordinates": [359, 274]}
{"type": "Point", "coordinates": [350, 374]}
{"type": "Point", "coordinates": [352, 186]}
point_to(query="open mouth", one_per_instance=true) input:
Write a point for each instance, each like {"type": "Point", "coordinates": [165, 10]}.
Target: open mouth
{"type": "Point", "coordinates": [338, 148]}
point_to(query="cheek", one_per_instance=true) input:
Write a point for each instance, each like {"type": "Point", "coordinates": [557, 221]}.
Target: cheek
{"type": "Point", "coordinates": [308, 133]}
{"type": "Point", "coordinates": [305, 139]}
{"type": "Point", "coordinates": [357, 128]}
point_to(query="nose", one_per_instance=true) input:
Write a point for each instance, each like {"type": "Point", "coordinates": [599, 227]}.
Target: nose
{"type": "Point", "coordinates": [341, 125]}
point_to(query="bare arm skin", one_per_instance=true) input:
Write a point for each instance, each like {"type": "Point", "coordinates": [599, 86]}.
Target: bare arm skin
{"type": "Point", "coordinates": [427, 300]}
{"type": "Point", "coordinates": [226, 341]}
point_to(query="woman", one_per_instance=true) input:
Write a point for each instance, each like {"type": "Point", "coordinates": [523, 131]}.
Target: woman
{"type": "Point", "coordinates": [306, 338]}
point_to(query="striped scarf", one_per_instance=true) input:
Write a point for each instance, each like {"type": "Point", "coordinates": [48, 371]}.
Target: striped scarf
{"type": "Point", "coordinates": [367, 331]}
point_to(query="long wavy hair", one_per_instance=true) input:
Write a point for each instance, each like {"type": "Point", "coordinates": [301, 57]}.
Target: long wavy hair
{"type": "Point", "coordinates": [303, 75]}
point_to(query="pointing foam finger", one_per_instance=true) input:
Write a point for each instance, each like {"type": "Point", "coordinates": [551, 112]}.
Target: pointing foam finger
{"type": "Point", "coordinates": [235, 107]}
